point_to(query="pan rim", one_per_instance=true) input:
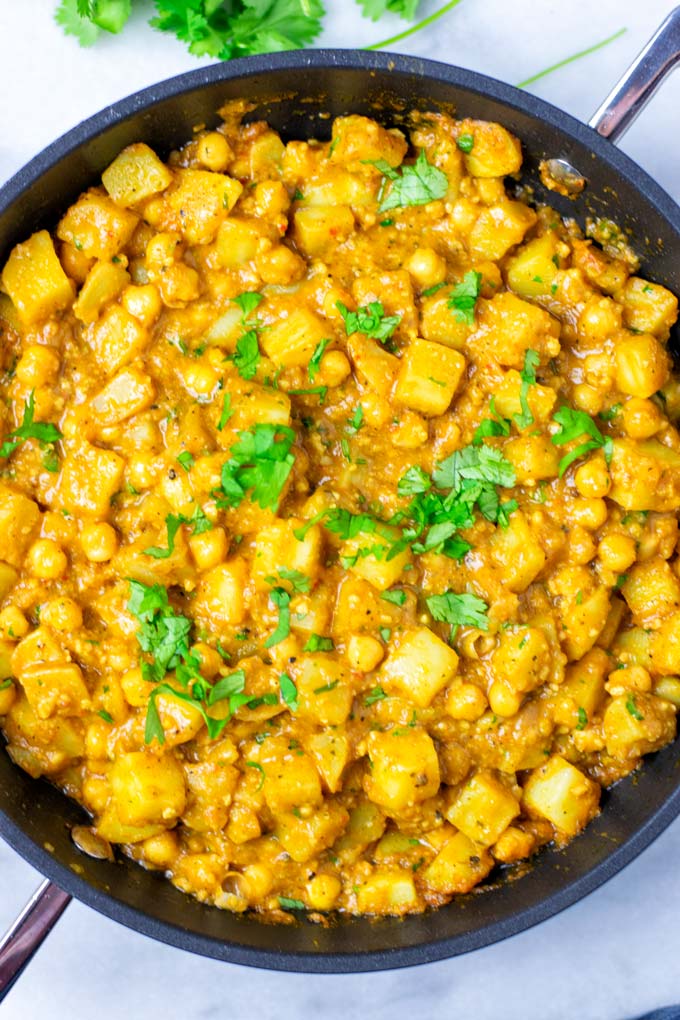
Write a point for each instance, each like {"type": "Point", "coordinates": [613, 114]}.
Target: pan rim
{"type": "Point", "coordinates": [493, 931]}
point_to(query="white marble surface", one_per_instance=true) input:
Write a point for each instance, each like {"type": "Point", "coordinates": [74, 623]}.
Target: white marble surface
{"type": "Point", "coordinates": [613, 955]}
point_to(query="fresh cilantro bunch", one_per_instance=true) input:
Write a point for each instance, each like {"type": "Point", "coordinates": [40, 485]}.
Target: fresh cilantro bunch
{"type": "Point", "coordinates": [220, 28]}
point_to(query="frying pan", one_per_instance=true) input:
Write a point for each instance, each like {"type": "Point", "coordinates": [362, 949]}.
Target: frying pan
{"type": "Point", "coordinates": [296, 92]}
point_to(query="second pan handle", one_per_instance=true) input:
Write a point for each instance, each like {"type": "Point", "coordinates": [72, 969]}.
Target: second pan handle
{"type": "Point", "coordinates": [26, 935]}
{"type": "Point", "coordinates": [633, 91]}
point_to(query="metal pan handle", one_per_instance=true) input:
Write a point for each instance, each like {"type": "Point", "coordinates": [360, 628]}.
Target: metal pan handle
{"type": "Point", "coordinates": [26, 935]}
{"type": "Point", "coordinates": [631, 94]}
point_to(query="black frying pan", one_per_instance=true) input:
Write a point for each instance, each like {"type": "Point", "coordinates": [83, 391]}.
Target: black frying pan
{"type": "Point", "coordinates": [35, 818]}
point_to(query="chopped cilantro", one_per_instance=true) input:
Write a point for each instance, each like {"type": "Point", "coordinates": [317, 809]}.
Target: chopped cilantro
{"type": "Point", "coordinates": [226, 412]}
{"type": "Point", "coordinates": [186, 459]}
{"type": "Point", "coordinates": [632, 708]}
{"type": "Point", "coordinates": [410, 185]}
{"type": "Point", "coordinates": [44, 432]}
{"type": "Point", "coordinates": [289, 692]}
{"type": "Point", "coordinates": [316, 643]}
{"type": "Point", "coordinates": [376, 694]}
{"type": "Point", "coordinates": [256, 765]}
{"type": "Point", "coordinates": [281, 599]}
{"type": "Point", "coordinates": [463, 298]}
{"type": "Point", "coordinates": [575, 425]}
{"type": "Point", "coordinates": [260, 463]}
{"type": "Point", "coordinates": [459, 610]}
{"type": "Point", "coordinates": [397, 597]}
{"type": "Point", "coordinates": [370, 320]}
{"type": "Point", "coordinates": [286, 903]}
{"type": "Point", "coordinates": [315, 360]}
{"type": "Point", "coordinates": [528, 377]}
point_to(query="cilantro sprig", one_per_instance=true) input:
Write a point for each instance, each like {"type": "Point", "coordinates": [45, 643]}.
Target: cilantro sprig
{"type": "Point", "coordinates": [410, 185]}
{"type": "Point", "coordinates": [370, 320]}
{"type": "Point", "coordinates": [260, 463]}
{"type": "Point", "coordinates": [528, 377]}
{"type": "Point", "coordinates": [463, 298]}
{"type": "Point", "coordinates": [575, 425]}
{"type": "Point", "coordinates": [464, 610]}
{"type": "Point", "coordinates": [44, 432]}
{"type": "Point", "coordinates": [198, 522]}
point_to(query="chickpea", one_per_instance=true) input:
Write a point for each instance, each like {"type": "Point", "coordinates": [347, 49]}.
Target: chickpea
{"type": "Point", "coordinates": [330, 303]}
{"type": "Point", "coordinates": [271, 198]}
{"type": "Point", "coordinates": [377, 410]}
{"type": "Point", "coordinates": [642, 365]}
{"type": "Point", "coordinates": [410, 432]}
{"type": "Point", "coordinates": [260, 880]}
{"type": "Point", "coordinates": [426, 267]}
{"type": "Point", "coordinates": [503, 700]}
{"type": "Point", "coordinates": [364, 652]}
{"type": "Point", "coordinates": [210, 659]}
{"type": "Point", "coordinates": [144, 303]}
{"type": "Point", "coordinates": [589, 513]}
{"type": "Point", "coordinates": [592, 478]}
{"type": "Point", "coordinates": [13, 623]}
{"type": "Point", "coordinates": [209, 548]}
{"type": "Point", "coordinates": [135, 688]}
{"type": "Point", "coordinates": [214, 152]}
{"type": "Point", "coordinates": [46, 559]}
{"type": "Point", "coordinates": [179, 284]}
{"type": "Point", "coordinates": [323, 891]}
{"type": "Point", "coordinates": [96, 739]}
{"type": "Point", "coordinates": [161, 849]}
{"type": "Point", "coordinates": [280, 266]}
{"type": "Point", "coordinates": [163, 250]}
{"type": "Point", "coordinates": [581, 545]}
{"type": "Point", "coordinates": [95, 793]}
{"type": "Point", "coordinates": [617, 552]}
{"type": "Point", "coordinates": [200, 378]}
{"type": "Point", "coordinates": [76, 264]}
{"type": "Point", "coordinates": [62, 614]}
{"type": "Point", "coordinates": [588, 398]}
{"type": "Point", "coordinates": [334, 368]}
{"type": "Point", "coordinates": [600, 318]}
{"type": "Point", "coordinates": [38, 365]}
{"type": "Point", "coordinates": [641, 418]}
{"type": "Point", "coordinates": [466, 701]}
{"type": "Point", "coordinates": [99, 541]}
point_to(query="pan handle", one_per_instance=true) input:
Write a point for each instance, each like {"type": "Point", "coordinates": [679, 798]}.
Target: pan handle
{"type": "Point", "coordinates": [29, 930]}
{"type": "Point", "coordinates": [637, 86]}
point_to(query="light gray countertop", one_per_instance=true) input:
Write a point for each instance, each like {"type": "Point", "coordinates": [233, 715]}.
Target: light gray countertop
{"type": "Point", "coordinates": [613, 955]}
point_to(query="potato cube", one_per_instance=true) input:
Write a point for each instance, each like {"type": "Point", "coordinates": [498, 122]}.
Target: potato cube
{"type": "Point", "coordinates": [116, 339]}
{"type": "Point", "coordinates": [42, 745]}
{"type": "Point", "coordinates": [88, 479]}
{"type": "Point", "coordinates": [317, 228]}
{"type": "Point", "coordinates": [522, 659]}
{"type": "Point", "coordinates": [330, 751]}
{"type": "Point", "coordinates": [19, 521]}
{"type": "Point", "coordinates": [645, 475]}
{"type": "Point", "coordinates": [35, 281]}
{"type": "Point", "coordinates": [148, 789]}
{"type": "Point", "coordinates": [666, 646]}
{"type": "Point", "coordinates": [8, 574]}
{"type": "Point", "coordinates": [499, 228]}
{"type": "Point", "coordinates": [649, 307]}
{"type": "Point", "coordinates": [375, 367]}
{"type": "Point", "coordinates": [305, 837]}
{"type": "Point", "coordinates": [239, 239]}
{"type": "Point", "coordinates": [104, 282]}
{"type": "Point", "coordinates": [642, 365]}
{"type": "Point", "coordinates": [96, 226]}
{"type": "Point", "coordinates": [508, 327]}
{"type": "Point", "coordinates": [584, 622]}
{"type": "Point", "coordinates": [366, 824]}
{"type": "Point", "coordinates": [277, 549]}
{"type": "Point", "coordinates": [652, 591]}
{"type": "Point", "coordinates": [324, 690]}
{"type": "Point", "coordinates": [211, 785]}
{"type": "Point", "coordinates": [38, 647]}
{"type": "Point", "coordinates": [438, 322]}
{"type": "Point", "coordinates": [404, 768]}
{"type": "Point", "coordinates": [291, 777]}
{"type": "Point", "coordinates": [458, 867]}
{"type": "Point", "coordinates": [366, 555]}
{"type": "Point", "coordinates": [181, 722]}
{"type": "Point", "coordinates": [483, 809]}
{"type": "Point", "coordinates": [637, 724]}
{"type": "Point", "coordinates": [292, 341]}
{"type": "Point", "coordinates": [429, 376]}
{"type": "Point", "coordinates": [533, 457]}
{"type": "Point", "coordinates": [358, 140]}
{"type": "Point", "coordinates": [518, 553]}
{"type": "Point", "coordinates": [135, 174]}
{"type": "Point", "coordinates": [260, 405]}
{"type": "Point", "coordinates": [128, 393]}
{"type": "Point", "coordinates": [220, 595]}
{"type": "Point", "coordinates": [394, 290]}
{"type": "Point", "coordinates": [585, 679]}
{"type": "Point", "coordinates": [55, 688]}
{"type": "Point", "coordinates": [494, 153]}
{"type": "Point", "coordinates": [561, 793]}
{"type": "Point", "coordinates": [532, 270]}
{"type": "Point", "coordinates": [389, 891]}
{"type": "Point", "coordinates": [202, 200]}
{"type": "Point", "coordinates": [541, 399]}
{"type": "Point", "coordinates": [420, 667]}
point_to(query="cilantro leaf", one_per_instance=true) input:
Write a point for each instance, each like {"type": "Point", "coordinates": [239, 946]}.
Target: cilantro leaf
{"type": "Point", "coordinates": [315, 360]}
{"type": "Point", "coordinates": [44, 432]}
{"type": "Point", "coordinates": [246, 357]}
{"type": "Point", "coordinates": [397, 597]}
{"type": "Point", "coordinates": [198, 522]}
{"type": "Point", "coordinates": [297, 580]}
{"type": "Point", "coordinates": [370, 320]}
{"type": "Point", "coordinates": [459, 610]}
{"type": "Point", "coordinates": [528, 377]}
{"type": "Point", "coordinates": [248, 302]}
{"type": "Point", "coordinates": [260, 463]}
{"type": "Point", "coordinates": [260, 769]}
{"type": "Point", "coordinates": [81, 26]}
{"type": "Point", "coordinates": [483, 463]}
{"type": "Point", "coordinates": [226, 412]}
{"type": "Point", "coordinates": [270, 26]}
{"type": "Point", "coordinates": [574, 425]}
{"type": "Point", "coordinates": [414, 481]}
{"type": "Point", "coordinates": [227, 686]}
{"type": "Point", "coordinates": [414, 185]}
{"type": "Point", "coordinates": [357, 420]}
{"type": "Point", "coordinates": [375, 9]}
{"type": "Point", "coordinates": [289, 692]}
{"type": "Point", "coordinates": [377, 694]}
{"type": "Point", "coordinates": [463, 298]}
{"type": "Point", "coordinates": [286, 903]}
{"type": "Point", "coordinates": [316, 643]}
{"type": "Point", "coordinates": [281, 599]}
{"type": "Point", "coordinates": [489, 427]}
{"type": "Point", "coordinates": [186, 459]}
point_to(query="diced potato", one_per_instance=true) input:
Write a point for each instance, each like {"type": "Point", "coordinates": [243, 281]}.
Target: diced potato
{"type": "Point", "coordinates": [649, 307]}
{"type": "Point", "coordinates": [585, 679]}
{"type": "Point", "coordinates": [375, 367]}
{"type": "Point", "coordinates": [181, 722]}
{"type": "Point", "coordinates": [518, 553]}
{"type": "Point", "coordinates": [42, 745]}
{"type": "Point", "coordinates": [666, 646]}
{"type": "Point", "coordinates": [239, 240]}
{"type": "Point", "coordinates": [404, 768]}
{"type": "Point", "coordinates": [104, 282]}
{"type": "Point", "coordinates": [522, 659]}
{"type": "Point", "coordinates": [607, 273]}
{"type": "Point", "coordinates": [483, 809]}
{"type": "Point", "coordinates": [35, 281]}
{"type": "Point", "coordinates": [637, 724]}
{"type": "Point", "coordinates": [147, 789]}
{"type": "Point", "coordinates": [202, 200]}
{"type": "Point", "coordinates": [388, 891]}
{"type": "Point", "coordinates": [532, 270]}
{"type": "Point", "coordinates": [508, 327]}
{"type": "Point", "coordinates": [55, 688]}
{"type": "Point", "coordinates": [420, 667]}
{"type": "Point", "coordinates": [128, 393]}
{"type": "Point", "coordinates": [584, 623]}
{"type": "Point", "coordinates": [291, 777]}
{"type": "Point", "coordinates": [117, 338]}
{"type": "Point", "coordinates": [561, 793]}
{"type": "Point", "coordinates": [652, 591]}
{"type": "Point", "coordinates": [136, 174]}
{"type": "Point", "coordinates": [19, 521]}
{"type": "Point", "coordinates": [96, 226]}
{"type": "Point", "coordinates": [211, 785]}
{"type": "Point", "coordinates": [260, 405]}
{"type": "Point", "coordinates": [438, 322]}
{"type": "Point", "coordinates": [634, 647]}
{"type": "Point", "coordinates": [642, 365]}
{"type": "Point", "coordinates": [495, 152]}
{"type": "Point", "coordinates": [367, 556]}
{"type": "Point", "coordinates": [429, 376]}
{"type": "Point", "coordinates": [330, 751]}
{"type": "Point", "coordinates": [645, 475]}
{"type": "Point", "coordinates": [8, 574]}
{"type": "Point", "coordinates": [458, 867]}
{"type": "Point", "coordinates": [533, 457]}
{"type": "Point", "coordinates": [366, 825]}
{"type": "Point", "coordinates": [111, 828]}
{"type": "Point", "coordinates": [360, 140]}
{"type": "Point", "coordinates": [314, 675]}
{"type": "Point", "coordinates": [499, 228]}
{"type": "Point", "coordinates": [541, 399]}
{"type": "Point", "coordinates": [394, 290]}
{"type": "Point", "coordinates": [220, 595]}
{"type": "Point", "coordinates": [89, 478]}
{"type": "Point", "coordinates": [37, 648]}
{"type": "Point", "coordinates": [292, 341]}
{"type": "Point", "coordinates": [277, 548]}
{"type": "Point", "coordinates": [305, 837]}
{"type": "Point", "coordinates": [317, 228]}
